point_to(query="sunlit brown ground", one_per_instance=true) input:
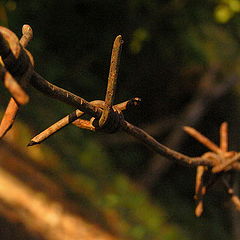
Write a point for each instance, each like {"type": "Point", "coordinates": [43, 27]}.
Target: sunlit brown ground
{"type": "Point", "coordinates": [34, 207]}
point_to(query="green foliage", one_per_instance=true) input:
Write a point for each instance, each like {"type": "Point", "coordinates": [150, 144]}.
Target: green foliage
{"type": "Point", "coordinates": [140, 35]}
{"type": "Point", "coordinates": [226, 10]}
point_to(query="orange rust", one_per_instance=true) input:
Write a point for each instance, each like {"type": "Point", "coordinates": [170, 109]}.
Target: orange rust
{"type": "Point", "coordinates": [224, 137]}
{"type": "Point", "coordinates": [202, 139]}
{"type": "Point", "coordinates": [200, 190]}
{"type": "Point", "coordinates": [12, 41]}
{"type": "Point", "coordinates": [85, 124]}
{"type": "Point", "coordinates": [8, 118]}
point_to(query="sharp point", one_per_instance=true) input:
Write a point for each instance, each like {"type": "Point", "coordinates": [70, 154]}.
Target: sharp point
{"type": "Point", "coordinates": [27, 30]}
{"type": "Point", "coordinates": [137, 99]}
{"type": "Point", "coordinates": [119, 37]}
{"type": "Point", "coordinates": [32, 143]}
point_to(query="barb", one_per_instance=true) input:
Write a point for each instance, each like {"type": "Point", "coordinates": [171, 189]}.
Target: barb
{"type": "Point", "coordinates": [203, 181]}
{"type": "Point", "coordinates": [73, 118]}
{"type": "Point", "coordinates": [222, 161]}
{"type": "Point", "coordinates": [209, 91]}
{"type": "Point", "coordinates": [27, 35]}
{"type": "Point", "coordinates": [234, 198]}
{"type": "Point", "coordinates": [200, 190]}
{"type": "Point", "coordinates": [202, 139]}
{"type": "Point", "coordinates": [8, 118]}
{"type": "Point", "coordinates": [134, 102]}
{"type": "Point", "coordinates": [55, 128]}
{"type": "Point", "coordinates": [84, 124]}
{"type": "Point", "coordinates": [112, 80]}
{"type": "Point", "coordinates": [224, 137]}
{"type": "Point", "coordinates": [70, 118]}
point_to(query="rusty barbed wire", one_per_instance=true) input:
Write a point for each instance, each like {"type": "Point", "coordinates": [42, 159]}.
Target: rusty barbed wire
{"type": "Point", "coordinates": [223, 162]}
{"type": "Point", "coordinates": [74, 119]}
{"type": "Point", "coordinates": [19, 95]}
{"type": "Point", "coordinates": [10, 50]}
{"type": "Point", "coordinates": [112, 81]}
{"type": "Point", "coordinates": [17, 62]}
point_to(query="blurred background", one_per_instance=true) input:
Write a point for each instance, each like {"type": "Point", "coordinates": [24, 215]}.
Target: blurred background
{"type": "Point", "coordinates": [182, 59]}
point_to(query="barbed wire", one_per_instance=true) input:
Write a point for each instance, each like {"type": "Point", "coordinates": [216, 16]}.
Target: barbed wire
{"type": "Point", "coordinates": [17, 74]}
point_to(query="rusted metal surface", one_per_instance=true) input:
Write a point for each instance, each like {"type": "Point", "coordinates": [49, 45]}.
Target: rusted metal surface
{"type": "Point", "coordinates": [112, 80]}
{"type": "Point", "coordinates": [9, 117]}
{"type": "Point", "coordinates": [74, 118]}
{"type": "Point", "coordinates": [10, 51]}
{"type": "Point", "coordinates": [222, 161]}
{"type": "Point", "coordinates": [27, 35]}
{"type": "Point", "coordinates": [19, 95]}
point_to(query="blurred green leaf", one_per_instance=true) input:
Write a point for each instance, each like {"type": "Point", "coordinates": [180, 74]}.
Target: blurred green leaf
{"type": "Point", "coordinates": [139, 36]}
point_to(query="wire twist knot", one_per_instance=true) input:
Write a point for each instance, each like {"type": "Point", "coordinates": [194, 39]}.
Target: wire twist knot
{"type": "Point", "coordinates": [16, 59]}
{"type": "Point", "coordinates": [112, 123]}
